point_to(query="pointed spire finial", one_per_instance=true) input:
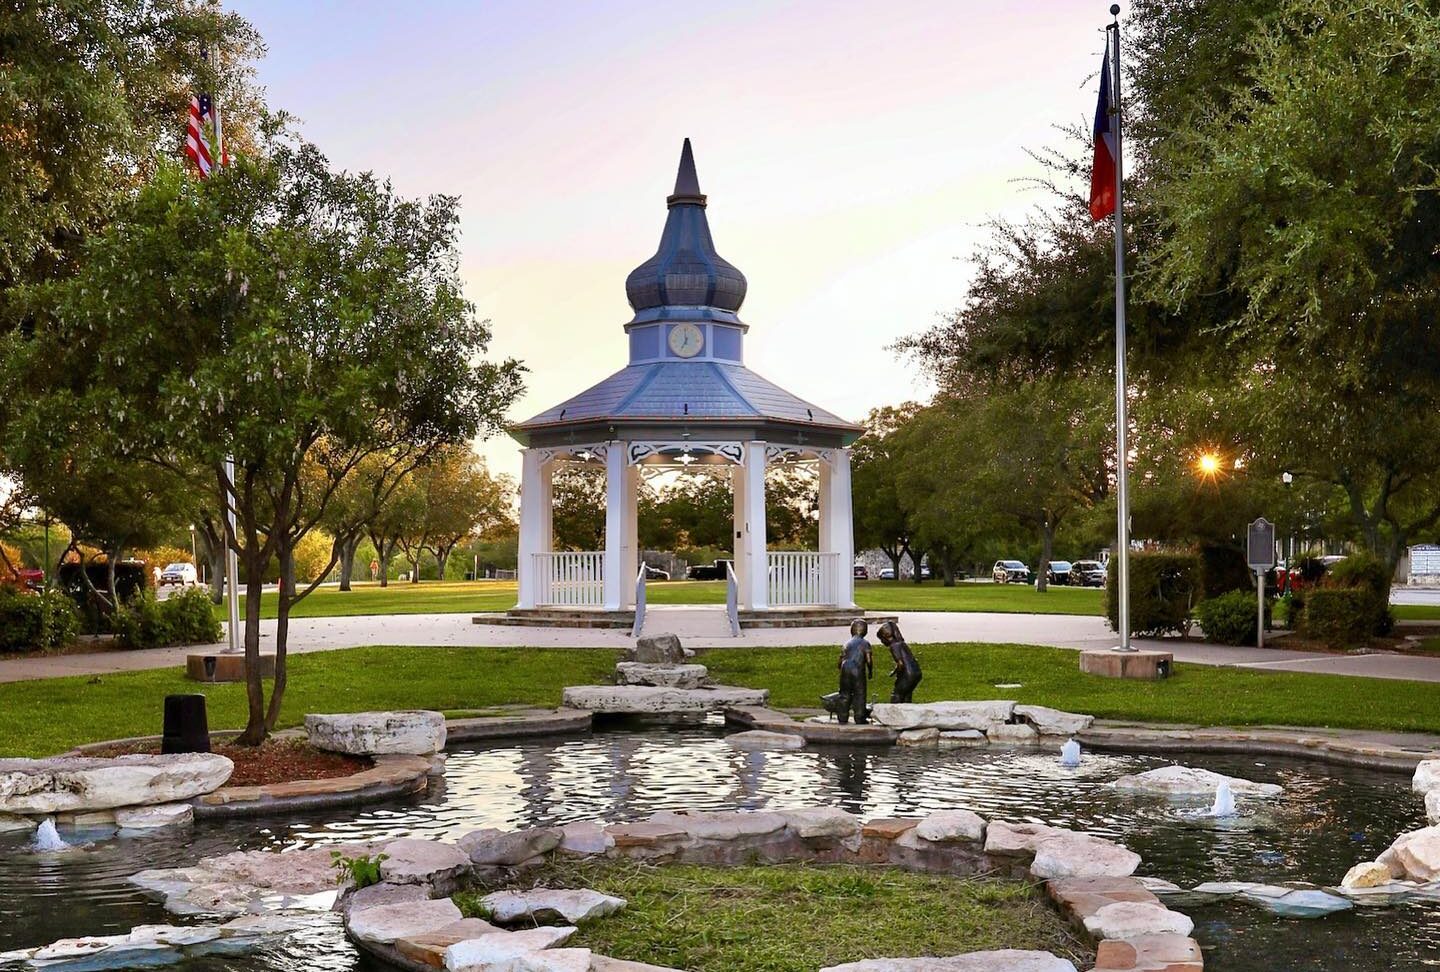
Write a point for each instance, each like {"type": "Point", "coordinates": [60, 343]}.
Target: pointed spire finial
{"type": "Point", "coordinates": [687, 183]}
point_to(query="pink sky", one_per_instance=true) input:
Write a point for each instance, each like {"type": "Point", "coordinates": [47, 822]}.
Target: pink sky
{"type": "Point", "coordinates": [851, 153]}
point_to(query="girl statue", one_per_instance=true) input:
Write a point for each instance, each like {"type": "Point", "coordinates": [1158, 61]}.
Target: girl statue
{"type": "Point", "coordinates": [857, 666]}
{"type": "Point", "coordinates": [907, 670]}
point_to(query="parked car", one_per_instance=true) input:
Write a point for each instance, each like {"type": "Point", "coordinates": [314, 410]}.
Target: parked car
{"type": "Point", "coordinates": [715, 571]}
{"type": "Point", "coordinates": [1087, 573]}
{"type": "Point", "coordinates": [655, 573]}
{"type": "Point", "coordinates": [862, 572]}
{"type": "Point", "coordinates": [181, 574]}
{"type": "Point", "coordinates": [887, 573]}
{"type": "Point", "coordinates": [924, 571]}
{"type": "Point", "coordinates": [1010, 572]}
{"type": "Point", "coordinates": [1058, 572]}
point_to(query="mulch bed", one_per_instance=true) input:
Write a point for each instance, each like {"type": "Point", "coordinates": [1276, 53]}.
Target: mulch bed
{"type": "Point", "coordinates": [277, 761]}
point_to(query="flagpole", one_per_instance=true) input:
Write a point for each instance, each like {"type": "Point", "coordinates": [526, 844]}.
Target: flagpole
{"type": "Point", "coordinates": [1122, 450]}
{"type": "Point", "coordinates": [232, 559]}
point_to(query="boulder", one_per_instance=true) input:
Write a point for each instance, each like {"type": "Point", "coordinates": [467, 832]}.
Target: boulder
{"type": "Point", "coordinates": [153, 818]}
{"type": "Point", "coordinates": [951, 825]}
{"type": "Point", "coordinates": [10, 824]}
{"type": "Point", "coordinates": [668, 676]}
{"type": "Point", "coordinates": [411, 860]}
{"type": "Point", "coordinates": [543, 905]}
{"type": "Point", "coordinates": [822, 822]}
{"type": "Point", "coordinates": [1013, 734]}
{"type": "Point", "coordinates": [1427, 776]}
{"type": "Point", "coordinates": [380, 894]}
{"type": "Point", "coordinates": [658, 700]}
{"type": "Point", "coordinates": [512, 847]}
{"type": "Point", "coordinates": [721, 824]}
{"type": "Point", "coordinates": [1369, 874]}
{"type": "Point", "coordinates": [1003, 960]}
{"type": "Point", "coordinates": [1136, 919]}
{"type": "Point", "coordinates": [918, 738]}
{"type": "Point", "coordinates": [1432, 806]}
{"type": "Point", "coordinates": [660, 649]}
{"type": "Point", "coordinates": [1071, 855]}
{"type": "Point", "coordinates": [585, 839]}
{"type": "Point", "coordinates": [1188, 781]}
{"type": "Point", "coordinates": [942, 715]}
{"type": "Point", "coordinates": [1054, 722]}
{"type": "Point", "coordinates": [406, 919]}
{"type": "Point", "coordinates": [71, 783]}
{"type": "Point", "coordinates": [1414, 856]}
{"type": "Point", "coordinates": [478, 954]}
{"type": "Point", "coordinates": [761, 739]}
{"type": "Point", "coordinates": [1005, 839]}
{"type": "Point", "coordinates": [410, 733]}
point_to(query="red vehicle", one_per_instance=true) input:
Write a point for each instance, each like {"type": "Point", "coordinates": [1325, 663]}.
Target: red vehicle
{"type": "Point", "coordinates": [27, 579]}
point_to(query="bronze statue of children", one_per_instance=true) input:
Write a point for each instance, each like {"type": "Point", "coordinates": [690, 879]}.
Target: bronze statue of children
{"type": "Point", "coordinates": [907, 670]}
{"type": "Point", "coordinates": [857, 667]}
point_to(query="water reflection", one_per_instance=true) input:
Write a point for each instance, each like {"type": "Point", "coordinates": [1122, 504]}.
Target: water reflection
{"type": "Point", "coordinates": [1328, 819]}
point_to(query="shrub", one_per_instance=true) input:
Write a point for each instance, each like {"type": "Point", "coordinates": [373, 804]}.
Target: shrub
{"type": "Point", "coordinates": [1223, 569]}
{"type": "Point", "coordinates": [1342, 617]}
{"type": "Point", "coordinates": [1228, 619]}
{"type": "Point", "coordinates": [185, 618]}
{"type": "Point", "coordinates": [1365, 572]}
{"type": "Point", "coordinates": [36, 622]}
{"type": "Point", "coordinates": [361, 871]}
{"type": "Point", "coordinates": [1163, 589]}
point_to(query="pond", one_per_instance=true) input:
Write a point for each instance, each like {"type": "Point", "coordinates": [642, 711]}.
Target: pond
{"type": "Point", "coordinates": [1328, 819]}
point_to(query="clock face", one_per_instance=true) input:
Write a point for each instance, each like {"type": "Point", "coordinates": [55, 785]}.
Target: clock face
{"type": "Point", "coordinates": [686, 340]}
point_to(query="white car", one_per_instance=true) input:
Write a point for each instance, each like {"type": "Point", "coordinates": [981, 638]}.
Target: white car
{"type": "Point", "coordinates": [182, 574]}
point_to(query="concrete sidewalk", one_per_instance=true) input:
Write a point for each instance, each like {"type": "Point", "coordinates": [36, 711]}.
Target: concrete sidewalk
{"type": "Point", "coordinates": [702, 627]}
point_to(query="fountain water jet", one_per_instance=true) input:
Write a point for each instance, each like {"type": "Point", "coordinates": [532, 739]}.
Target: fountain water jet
{"type": "Point", "coordinates": [48, 839]}
{"type": "Point", "coordinates": [1070, 753]}
{"type": "Point", "coordinates": [1224, 801]}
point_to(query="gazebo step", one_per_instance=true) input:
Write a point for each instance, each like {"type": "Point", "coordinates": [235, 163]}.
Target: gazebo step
{"type": "Point", "coordinates": [559, 618]}
{"type": "Point", "coordinates": [809, 618]}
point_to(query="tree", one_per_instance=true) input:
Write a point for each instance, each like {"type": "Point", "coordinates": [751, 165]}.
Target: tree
{"type": "Point", "coordinates": [578, 507]}
{"type": "Point", "coordinates": [881, 517]}
{"type": "Point", "coordinates": [311, 319]}
{"type": "Point", "coordinates": [454, 496]}
{"type": "Point", "coordinates": [695, 510]}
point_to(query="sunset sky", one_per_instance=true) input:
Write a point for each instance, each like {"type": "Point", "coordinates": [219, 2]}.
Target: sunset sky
{"type": "Point", "coordinates": [852, 153]}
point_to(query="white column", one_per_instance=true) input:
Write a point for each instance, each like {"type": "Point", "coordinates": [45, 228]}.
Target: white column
{"type": "Point", "coordinates": [739, 543]}
{"type": "Point", "coordinates": [630, 553]}
{"type": "Point", "coordinates": [757, 574]}
{"type": "Point", "coordinates": [547, 507]}
{"type": "Point", "coordinates": [614, 525]}
{"type": "Point", "coordinates": [533, 513]}
{"type": "Point", "coordinates": [837, 524]}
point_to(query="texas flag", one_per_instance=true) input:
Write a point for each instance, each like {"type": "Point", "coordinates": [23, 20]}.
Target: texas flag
{"type": "Point", "coordinates": [1107, 150]}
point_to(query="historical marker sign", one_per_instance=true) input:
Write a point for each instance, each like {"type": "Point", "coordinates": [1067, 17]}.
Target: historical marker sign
{"type": "Point", "coordinates": [1260, 545]}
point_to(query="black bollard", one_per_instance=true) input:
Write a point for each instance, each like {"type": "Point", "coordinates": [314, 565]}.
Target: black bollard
{"type": "Point", "coordinates": [187, 730]}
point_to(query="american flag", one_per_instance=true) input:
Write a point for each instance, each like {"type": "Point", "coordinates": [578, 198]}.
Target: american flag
{"type": "Point", "coordinates": [199, 129]}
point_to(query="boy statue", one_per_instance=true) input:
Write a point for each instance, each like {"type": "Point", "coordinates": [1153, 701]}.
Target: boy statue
{"type": "Point", "coordinates": [857, 666]}
{"type": "Point", "coordinates": [907, 670]}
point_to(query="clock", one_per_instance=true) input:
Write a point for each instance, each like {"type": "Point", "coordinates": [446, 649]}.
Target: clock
{"type": "Point", "coordinates": [686, 340]}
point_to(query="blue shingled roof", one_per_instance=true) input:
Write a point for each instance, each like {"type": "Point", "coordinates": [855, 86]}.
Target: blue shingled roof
{"type": "Point", "coordinates": [676, 390]}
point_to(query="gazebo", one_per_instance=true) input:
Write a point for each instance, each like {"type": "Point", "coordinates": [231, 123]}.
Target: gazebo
{"type": "Point", "coordinates": [687, 401]}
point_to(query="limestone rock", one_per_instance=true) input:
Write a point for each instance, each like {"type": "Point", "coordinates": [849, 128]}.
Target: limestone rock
{"type": "Point", "coordinates": [1135, 919]}
{"type": "Point", "coordinates": [951, 825]}
{"type": "Point", "coordinates": [1415, 856]}
{"type": "Point", "coordinates": [962, 738]}
{"type": "Point", "coordinates": [761, 739]}
{"type": "Point", "coordinates": [1003, 960]}
{"type": "Point", "coordinates": [510, 847]}
{"type": "Point", "coordinates": [660, 649]}
{"type": "Point", "coordinates": [383, 893]}
{"type": "Point", "coordinates": [407, 919]}
{"type": "Point", "coordinates": [409, 733]}
{"type": "Point", "coordinates": [540, 904]}
{"type": "Point", "coordinates": [152, 818]}
{"type": "Point", "coordinates": [1016, 734]}
{"type": "Point", "coordinates": [822, 822]}
{"type": "Point", "coordinates": [585, 838]}
{"type": "Point", "coordinates": [1054, 722]}
{"type": "Point", "coordinates": [1189, 781]}
{"type": "Point", "coordinates": [1005, 839]}
{"type": "Point", "coordinates": [658, 700]}
{"type": "Point", "coordinates": [943, 715]}
{"type": "Point", "coordinates": [918, 738]}
{"type": "Point", "coordinates": [1302, 903]}
{"type": "Point", "coordinates": [1427, 776]}
{"type": "Point", "coordinates": [10, 824]}
{"type": "Point", "coordinates": [1369, 874]}
{"type": "Point", "coordinates": [411, 860]}
{"type": "Point", "coordinates": [1071, 855]}
{"type": "Point", "coordinates": [668, 676]}
{"type": "Point", "coordinates": [252, 926]}
{"type": "Point", "coordinates": [71, 783]}
{"type": "Point", "coordinates": [1432, 806]}
{"type": "Point", "coordinates": [604, 963]}
{"type": "Point", "coordinates": [478, 954]}
{"type": "Point", "coordinates": [721, 824]}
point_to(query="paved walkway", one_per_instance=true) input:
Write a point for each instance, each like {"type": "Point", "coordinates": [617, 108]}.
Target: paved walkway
{"type": "Point", "coordinates": [706, 628]}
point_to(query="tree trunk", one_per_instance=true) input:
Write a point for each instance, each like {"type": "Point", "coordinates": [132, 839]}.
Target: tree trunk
{"type": "Point", "coordinates": [916, 556]}
{"type": "Point", "coordinates": [384, 550]}
{"type": "Point", "coordinates": [347, 561]}
{"type": "Point", "coordinates": [255, 726]}
{"type": "Point", "coordinates": [282, 631]}
{"type": "Point", "coordinates": [415, 568]}
{"type": "Point", "coordinates": [1047, 547]}
{"type": "Point", "coordinates": [442, 557]}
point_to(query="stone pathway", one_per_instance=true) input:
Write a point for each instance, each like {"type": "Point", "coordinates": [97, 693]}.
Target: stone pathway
{"type": "Point", "coordinates": [702, 627]}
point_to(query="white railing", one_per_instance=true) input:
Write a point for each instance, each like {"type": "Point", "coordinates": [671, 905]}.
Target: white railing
{"type": "Point", "coordinates": [732, 600]}
{"type": "Point", "coordinates": [802, 578]}
{"type": "Point", "coordinates": [639, 625]}
{"type": "Point", "coordinates": [570, 579]}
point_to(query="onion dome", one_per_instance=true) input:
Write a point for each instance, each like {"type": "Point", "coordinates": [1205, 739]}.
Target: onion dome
{"type": "Point", "coordinates": [686, 279]}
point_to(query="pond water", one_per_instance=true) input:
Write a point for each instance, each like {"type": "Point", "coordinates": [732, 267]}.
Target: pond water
{"type": "Point", "coordinates": [1328, 819]}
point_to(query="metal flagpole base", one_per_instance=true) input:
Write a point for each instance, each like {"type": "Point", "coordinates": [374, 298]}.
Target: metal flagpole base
{"type": "Point", "coordinates": [1130, 649]}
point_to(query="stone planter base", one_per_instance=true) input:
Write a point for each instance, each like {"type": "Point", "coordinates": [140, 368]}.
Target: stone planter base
{"type": "Point", "coordinates": [1147, 665]}
{"type": "Point", "coordinates": [225, 667]}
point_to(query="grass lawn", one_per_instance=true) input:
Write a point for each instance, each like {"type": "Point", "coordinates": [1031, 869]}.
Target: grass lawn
{"type": "Point", "coordinates": [461, 597]}
{"type": "Point", "coordinates": [50, 715]}
{"type": "Point", "coordinates": [1416, 612]}
{"type": "Point", "coordinates": [797, 918]}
